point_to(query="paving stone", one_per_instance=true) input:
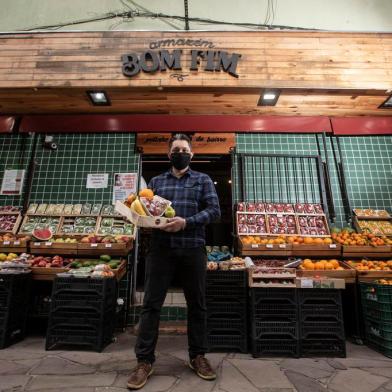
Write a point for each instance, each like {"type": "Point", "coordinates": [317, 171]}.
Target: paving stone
{"type": "Point", "coordinates": [8, 367]}
{"type": "Point", "coordinates": [86, 357]}
{"type": "Point", "coordinates": [362, 351]}
{"type": "Point", "coordinates": [166, 365]}
{"type": "Point", "coordinates": [312, 368]}
{"type": "Point", "coordinates": [168, 344]}
{"type": "Point", "coordinates": [110, 389]}
{"type": "Point", "coordinates": [356, 380]}
{"type": "Point", "coordinates": [13, 383]}
{"type": "Point", "coordinates": [155, 383]}
{"type": "Point", "coordinates": [262, 374]}
{"type": "Point", "coordinates": [388, 386]}
{"type": "Point", "coordinates": [116, 365]}
{"type": "Point", "coordinates": [233, 381]}
{"type": "Point", "coordinates": [365, 363]}
{"type": "Point", "coordinates": [189, 382]}
{"type": "Point", "coordinates": [55, 365]}
{"type": "Point", "coordinates": [335, 364]}
{"type": "Point", "coordinates": [303, 383]}
{"type": "Point", "coordinates": [73, 389]}
{"type": "Point", "coordinates": [12, 355]}
{"type": "Point", "coordinates": [29, 363]}
{"type": "Point", "coordinates": [86, 380]}
{"type": "Point", "coordinates": [277, 390]}
{"type": "Point", "coordinates": [386, 372]}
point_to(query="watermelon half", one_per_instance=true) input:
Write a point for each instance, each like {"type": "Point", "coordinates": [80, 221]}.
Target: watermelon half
{"type": "Point", "coordinates": [44, 234]}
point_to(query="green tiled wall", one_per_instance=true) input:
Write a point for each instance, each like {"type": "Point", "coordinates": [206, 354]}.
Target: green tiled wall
{"type": "Point", "coordinates": [14, 155]}
{"type": "Point", "coordinates": [61, 175]}
{"type": "Point", "coordinates": [367, 160]}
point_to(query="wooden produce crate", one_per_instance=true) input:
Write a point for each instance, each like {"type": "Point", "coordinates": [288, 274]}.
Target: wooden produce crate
{"type": "Point", "coordinates": [257, 277]}
{"type": "Point", "coordinates": [121, 270]}
{"type": "Point", "coordinates": [370, 275]}
{"type": "Point", "coordinates": [72, 220]}
{"type": "Point", "coordinates": [367, 251]}
{"type": "Point", "coordinates": [16, 225]}
{"type": "Point", "coordinates": [30, 219]}
{"type": "Point", "coordinates": [264, 250]}
{"type": "Point", "coordinates": [53, 248]}
{"type": "Point", "coordinates": [13, 246]}
{"type": "Point", "coordinates": [348, 273]}
{"type": "Point", "coordinates": [331, 250]}
{"type": "Point", "coordinates": [117, 249]}
{"type": "Point", "coordinates": [40, 273]}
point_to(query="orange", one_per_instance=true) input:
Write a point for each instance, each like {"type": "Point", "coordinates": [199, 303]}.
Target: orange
{"type": "Point", "coordinates": [318, 241]}
{"type": "Point", "coordinates": [335, 263]}
{"type": "Point", "coordinates": [319, 265]}
{"type": "Point", "coordinates": [329, 266]}
{"type": "Point", "coordinates": [327, 241]}
{"type": "Point", "coordinates": [309, 266]}
{"type": "Point", "coordinates": [148, 193]}
{"type": "Point", "coordinates": [308, 240]}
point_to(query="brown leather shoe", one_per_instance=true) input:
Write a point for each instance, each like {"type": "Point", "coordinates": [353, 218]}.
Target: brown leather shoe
{"type": "Point", "coordinates": [139, 375]}
{"type": "Point", "coordinates": [202, 368]}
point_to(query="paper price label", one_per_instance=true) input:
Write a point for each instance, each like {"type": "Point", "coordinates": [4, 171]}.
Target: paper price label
{"type": "Point", "coordinates": [93, 245]}
{"type": "Point", "coordinates": [282, 246]}
{"type": "Point", "coordinates": [6, 242]}
{"type": "Point", "coordinates": [307, 283]}
{"type": "Point", "coordinates": [37, 244]}
{"type": "Point", "coordinates": [255, 246]}
{"type": "Point", "coordinates": [279, 215]}
{"type": "Point", "coordinates": [108, 245]}
{"type": "Point", "coordinates": [269, 246]}
{"type": "Point", "coordinates": [48, 244]}
{"type": "Point", "coordinates": [16, 242]}
{"type": "Point", "coordinates": [332, 246]}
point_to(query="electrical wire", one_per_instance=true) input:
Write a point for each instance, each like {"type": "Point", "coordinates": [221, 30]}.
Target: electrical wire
{"type": "Point", "coordinates": [132, 14]}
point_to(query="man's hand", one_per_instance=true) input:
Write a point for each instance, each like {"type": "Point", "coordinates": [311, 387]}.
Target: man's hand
{"type": "Point", "coordinates": [174, 224]}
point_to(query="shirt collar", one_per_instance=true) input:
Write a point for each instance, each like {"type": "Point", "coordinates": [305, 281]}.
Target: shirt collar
{"type": "Point", "coordinates": [189, 173]}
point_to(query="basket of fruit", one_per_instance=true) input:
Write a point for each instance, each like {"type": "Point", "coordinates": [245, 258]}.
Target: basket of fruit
{"type": "Point", "coordinates": [332, 268]}
{"type": "Point", "coordinates": [146, 210]}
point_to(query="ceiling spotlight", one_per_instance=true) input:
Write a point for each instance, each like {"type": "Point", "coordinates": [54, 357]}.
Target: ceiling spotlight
{"type": "Point", "coordinates": [386, 104]}
{"type": "Point", "coordinates": [268, 97]}
{"type": "Point", "coordinates": [99, 98]}
{"type": "Point", "coordinates": [229, 181]}
{"type": "Point", "coordinates": [216, 182]}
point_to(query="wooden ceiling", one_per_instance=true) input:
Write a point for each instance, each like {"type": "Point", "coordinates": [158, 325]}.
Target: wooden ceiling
{"type": "Point", "coordinates": [319, 73]}
{"type": "Point", "coordinates": [194, 101]}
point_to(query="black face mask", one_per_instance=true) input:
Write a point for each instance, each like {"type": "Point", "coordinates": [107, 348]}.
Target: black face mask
{"type": "Point", "coordinates": [180, 160]}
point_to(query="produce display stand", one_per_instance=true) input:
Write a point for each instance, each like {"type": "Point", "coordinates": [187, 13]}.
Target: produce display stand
{"type": "Point", "coordinates": [327, 250]}
{"type": "Point", "coordinates": [53, 248]}
{"type": "Point", "coordinates": [279, 250]}
{"type": "Point", "coordinates": [47, 274]}
{"type": "Point", "coordinates": [367, 251]}
{"type": "Point", "coordinates": [112, 249]}
{"type": "Point", "coordinates": [348, 273]}
{"type": "Point", "coordinates": [14, 246]}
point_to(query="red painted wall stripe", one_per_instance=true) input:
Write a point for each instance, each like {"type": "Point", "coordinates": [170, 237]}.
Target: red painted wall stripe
{"type": "Point", "coordinates": [6, 124]}
{"type": "Point", "coordinates": [362, 126]}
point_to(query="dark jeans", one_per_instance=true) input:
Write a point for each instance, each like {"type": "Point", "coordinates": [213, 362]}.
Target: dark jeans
{"type": "Point", "coordinates": [161, 265]}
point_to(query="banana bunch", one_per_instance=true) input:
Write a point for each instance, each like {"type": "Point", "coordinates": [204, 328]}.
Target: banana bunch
{"type": "Point", "coordinates": [135, 205]}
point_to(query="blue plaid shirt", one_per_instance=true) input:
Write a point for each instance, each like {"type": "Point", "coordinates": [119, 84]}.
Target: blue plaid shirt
{"type": "Point", "coordinates": [194, 198]}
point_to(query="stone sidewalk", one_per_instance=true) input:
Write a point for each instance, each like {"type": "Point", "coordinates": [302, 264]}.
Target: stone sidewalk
{"type": "Point", "coordinates": [28, 367]}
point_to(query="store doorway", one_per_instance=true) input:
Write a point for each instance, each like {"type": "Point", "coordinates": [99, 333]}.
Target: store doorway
{"type": "Point", "coordinates": [218, 167]}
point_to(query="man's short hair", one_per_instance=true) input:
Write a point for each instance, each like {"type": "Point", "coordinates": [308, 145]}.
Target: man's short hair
{"type": "Point", "coordinates": [180, 136]}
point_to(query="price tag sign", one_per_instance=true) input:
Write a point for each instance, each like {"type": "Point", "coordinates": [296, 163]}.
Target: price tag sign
{"type": "Point", "coordinates": [16, 242]}
{"type": "Point", "coordinates": [37, 244]}
{"type": "Point", "coordinates": [269, 246]}
{"type": "Point", "coordinates": [332, 246]}
{"type": "Point", "coordinates": [255, 246]}
{"type": "Point", "coordinates": [48, 244]}
{"type": "Point", "coordinates": [6, 242]}
{"type": "Point", "coordinates": [93, 245]}
{"type": "Point", "coordinates": [279, 215]}
{"type": "Point", "coordinates": [108, 245]}
{"type": "Point", "coordinates": [307, 283]}
{"type": "Point", "coordinates": [282, 246]}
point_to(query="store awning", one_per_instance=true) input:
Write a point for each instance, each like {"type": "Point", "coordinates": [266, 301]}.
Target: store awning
{"type": "Point", "coordinates": [6, 124]}
{"type": "Point", "coordinates": [174, 123]}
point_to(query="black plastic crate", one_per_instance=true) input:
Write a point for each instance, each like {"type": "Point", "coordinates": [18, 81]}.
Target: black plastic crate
{"type": "Point", "coordinates": [277, 346]}
{"type": "Point", "coordinates": [319, 297]}
{"type": "Point", "coordinates": [100, 287]}
{"type": "Point", "coordinates": [332, 328]}
{"type": "Point", "coordinates": [83, 317]}
{"type": "Point", "coordinates": [227, 278]}
{"type": "Point", "coordinates": [217, 324]}
{"type": "Point", "coordinates": [226, 310]}
{"type": "Point", "coordinates": [70, 335]}
{"type": "Point", "coordinates": [273, 312]}
{"type": "Point", "coordinates": [274, 296]}
{"type": "Point", "coordinates": [226, 294]}
{"type": "Point", "coordinates": [261, 329]}
{"type": "Point", "coordinates": [322, 346]}
{"type": "Point", "coordinates": [227, 341]}
{"type": "Point", "coordinates": [374, 292]}
{"type": "Point", "coordinates": [328, 315]}
{"type": "Point", "coordinates": [14, 289]}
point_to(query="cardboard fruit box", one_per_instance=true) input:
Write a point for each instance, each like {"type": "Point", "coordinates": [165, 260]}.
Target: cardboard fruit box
{"type": "Point", "coordinates": [139, 220]}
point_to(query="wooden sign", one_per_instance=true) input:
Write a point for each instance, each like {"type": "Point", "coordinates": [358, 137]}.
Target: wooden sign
{"type": "Point", "coordinates": [202, 143]}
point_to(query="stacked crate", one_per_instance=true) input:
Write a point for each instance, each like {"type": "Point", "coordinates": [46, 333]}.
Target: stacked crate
{"type": "Point", "coordinates": [14, 296]}
{"type": "Point", "coordinates": [376, 302]}
{"type": "Point", "coordinates": [82, 312]}
{"type": "Point", "coordinates": [321, 323]}
{"type": "Point", "coordinates": [226, 296]}
{"type": "Point", "coordinates": [274, 316]}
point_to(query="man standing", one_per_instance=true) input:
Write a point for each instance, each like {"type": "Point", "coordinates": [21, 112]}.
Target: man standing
{"type": "Point", "coordinates": [178, 247]}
